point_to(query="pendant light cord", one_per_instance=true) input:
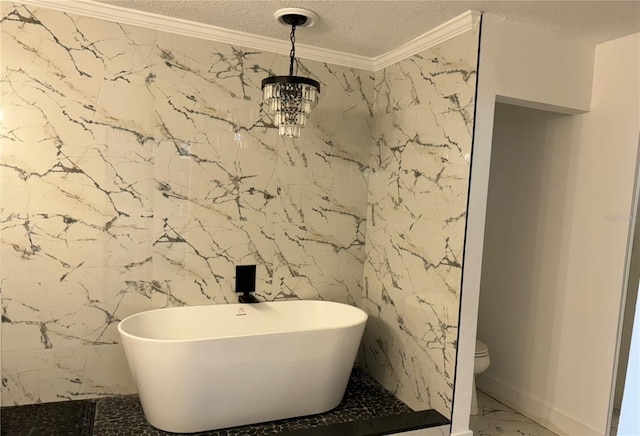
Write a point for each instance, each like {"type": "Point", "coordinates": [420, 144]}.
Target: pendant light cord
{"type": "Point", "coordinates": [292, 54]}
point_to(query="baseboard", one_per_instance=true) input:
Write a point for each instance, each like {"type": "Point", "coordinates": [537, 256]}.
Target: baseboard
{"type": "Point", "coordinates": [463, 433]}
{"type": "Point", "coordinates": [533, 408]}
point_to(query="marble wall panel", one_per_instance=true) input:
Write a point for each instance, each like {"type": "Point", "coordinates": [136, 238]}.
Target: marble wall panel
{"type": "Point", "coordinates": [76, 206]}
{"type": "Point", "coordinates": [137, 170]}
{"type": "Point", "coordinates": [422, 135]}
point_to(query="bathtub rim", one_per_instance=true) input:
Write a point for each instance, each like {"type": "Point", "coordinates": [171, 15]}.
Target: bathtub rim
{"type": "Point", "coordinates": [363, 319]}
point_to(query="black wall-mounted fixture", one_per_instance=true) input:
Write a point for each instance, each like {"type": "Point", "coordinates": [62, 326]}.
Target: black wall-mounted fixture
{"type": "Point", "coordinates": [246, 283]}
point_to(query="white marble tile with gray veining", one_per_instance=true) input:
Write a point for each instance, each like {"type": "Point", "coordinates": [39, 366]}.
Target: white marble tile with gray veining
{"type": "Point", "coordinates": [76, 199]}
{"type": "Point", "coordinates": [138, 169]}
{"type": "Point", "coordinates": [494, 418]}
{"type": "Point", "coordinates": [415, 221]}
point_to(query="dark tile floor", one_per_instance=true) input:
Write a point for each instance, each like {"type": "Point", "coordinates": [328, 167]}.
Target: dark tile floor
{"type": "Point", "coordinates": [366, 409]}
{"type": "Point", "coordinates": [68, 418]}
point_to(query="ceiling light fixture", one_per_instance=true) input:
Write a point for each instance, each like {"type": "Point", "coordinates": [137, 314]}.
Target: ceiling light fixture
{"type": "Point", "coordinates": [290, 98]}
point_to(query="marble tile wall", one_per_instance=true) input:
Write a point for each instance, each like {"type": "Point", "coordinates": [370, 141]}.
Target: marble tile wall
{"type": "Point", "coordinates": [137, 170]}
{"type": "Point", "coordinates": [416, 213]}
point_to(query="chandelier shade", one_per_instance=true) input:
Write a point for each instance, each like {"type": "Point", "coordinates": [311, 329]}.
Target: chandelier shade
{"type": "Point", "coordinates": [290, 98]}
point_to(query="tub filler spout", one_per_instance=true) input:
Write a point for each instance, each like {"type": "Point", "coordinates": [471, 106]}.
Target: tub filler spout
{"type": "Point", "coordinates": [247, 298]}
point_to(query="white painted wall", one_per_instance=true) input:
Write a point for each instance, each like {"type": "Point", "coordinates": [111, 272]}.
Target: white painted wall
{"type": "Point", "coordinates": [506, 73]}
{"type": "Point", "coordinates": [533, 67]}
{"type": "Point", "coordinates": [558, 222]}
{"type": "Point", "coordinates": [526, 255]}
{"type": "Point", "coordinates": [524, 234]}
{"type": "Point", "coordinates": [607, 164]}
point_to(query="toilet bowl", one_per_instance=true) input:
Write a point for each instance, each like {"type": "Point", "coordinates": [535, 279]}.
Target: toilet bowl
{"type": "Point", "coordinates": [481, 363]}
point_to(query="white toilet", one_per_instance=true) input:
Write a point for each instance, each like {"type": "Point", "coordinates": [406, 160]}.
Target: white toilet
{"type": "Point", "coordinates": [481, 364]}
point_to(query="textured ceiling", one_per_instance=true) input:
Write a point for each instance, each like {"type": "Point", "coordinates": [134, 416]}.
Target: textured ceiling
{"type": "Point", "coordinates": [371, 28]}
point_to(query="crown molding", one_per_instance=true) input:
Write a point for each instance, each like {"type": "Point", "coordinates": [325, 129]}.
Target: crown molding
{"type": "Point", "coordinates": [118, 14]}
{"type": "Point", "coordinates": [450, 29]}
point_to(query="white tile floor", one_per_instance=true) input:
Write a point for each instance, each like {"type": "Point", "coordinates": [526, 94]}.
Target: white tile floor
{"type": "Point", "coordinates": [497, 419]}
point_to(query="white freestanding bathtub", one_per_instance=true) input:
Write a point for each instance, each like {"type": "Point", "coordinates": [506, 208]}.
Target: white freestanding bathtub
{"type": "Point", "coordinates": [201, 368]}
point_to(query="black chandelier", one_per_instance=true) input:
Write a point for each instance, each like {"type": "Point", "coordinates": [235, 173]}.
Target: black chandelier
{"type": "Point", "coordinates": [290, 98]}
